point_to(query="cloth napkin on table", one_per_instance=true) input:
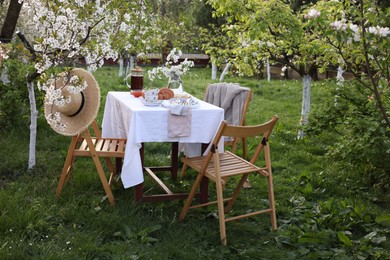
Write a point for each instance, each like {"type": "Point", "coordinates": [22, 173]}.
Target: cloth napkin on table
{"type": "Point", "coordinates": [179, 121]}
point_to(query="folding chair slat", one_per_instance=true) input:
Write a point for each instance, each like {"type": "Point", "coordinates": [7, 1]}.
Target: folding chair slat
{"type": "Point", "coordinates": [113, 145]}
{"type": "Point", "coordinates": [99, 144]}
{"type": "Point", "coordinates": [233, 164]}
{"type": "Point", "coordinates": [106, 145]}
{"type": "Point", "coordinates": [83, 146]}
{"type": "Point", "coordinates": [121, 145]}
{"type": "Point", "coordinates": [232, 171]}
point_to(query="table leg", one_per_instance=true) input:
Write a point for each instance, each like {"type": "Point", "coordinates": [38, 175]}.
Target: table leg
{"type": "Point", "coordinates": [138, 192]}
{"type": "Point", "coordinates": [138, 189]}
{"type": "Point", "coordinates": [204, 184]}
{"type": "Point", "coordinates": [174, 159]}
{"type": "Point", "coordinates": [118, 165]}
{"type": "Point", "coordinates": [142, 154]}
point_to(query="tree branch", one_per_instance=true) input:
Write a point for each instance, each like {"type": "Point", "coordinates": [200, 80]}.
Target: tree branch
{"type": "Point", "coordinates": [27, 45]}
{"type": "Point", "coordinates": [89, 31]}
{"type": "Point", "coordinates": [32, 76]}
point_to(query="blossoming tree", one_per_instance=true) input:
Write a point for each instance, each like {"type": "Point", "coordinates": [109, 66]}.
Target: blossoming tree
{"type": "Point", "coordinates": [136, 35]}
{"type": "Point", "coordinates": [270, 30]}
{"type": "Point", "coordinates": [356, 37]}
{"type": "Point", "coordinates": [60, 32]}
{"type": "Point", "coordinates": [350, 34]}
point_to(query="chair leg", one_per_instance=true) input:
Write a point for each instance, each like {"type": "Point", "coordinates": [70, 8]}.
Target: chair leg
{"type": "Point", "coordinates": [99, 167]}
{"type": "Point", "coordinates": [67, 169]}
{"type": "Point", "coordinates": [220, 202]}
{"type": "Point", "coordinates": [183, 170]}
{"type": "Point", "coordinates": [271, 196]}
{"type": "Point", "coordinates": [110, 166]}
{"type": "Point", "coordinates": [70, 170]}
{"type": "Point", "coordinates": [65, 175]}
{"type": "Point", "coordinates": [244, 146]}
{"type": "Point", "coordinates": [111, 169]}
{"type": "Point", "coordinates": [221, 212]}
{"type": "Point", "coordinates": [104, 181]}
{"type": "Point", "coordinates": [236, 192]}
{"type": "Point", "coordinates": [272, 203]}
{"type": "Point", "coordinates": [190, 197]}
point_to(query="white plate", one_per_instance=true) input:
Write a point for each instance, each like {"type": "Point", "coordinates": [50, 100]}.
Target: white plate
{"type": "Point", "coordinates": [188, 102]}
{"type": "Point", "coordinates": [151, 104]}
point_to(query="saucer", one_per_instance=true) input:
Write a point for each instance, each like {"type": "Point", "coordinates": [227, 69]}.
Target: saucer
{"type": "Point", "coordinates": [151, 104]}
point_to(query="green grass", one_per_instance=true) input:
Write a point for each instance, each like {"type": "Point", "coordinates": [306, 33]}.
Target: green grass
{"type": "Point", "coordinates": [312, 197]}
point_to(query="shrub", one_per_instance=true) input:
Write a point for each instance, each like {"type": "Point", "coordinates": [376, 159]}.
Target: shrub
{"type": "Point", "coordinates": [360, 137]}
{"type": "Point", "coordinates": [14, 104]}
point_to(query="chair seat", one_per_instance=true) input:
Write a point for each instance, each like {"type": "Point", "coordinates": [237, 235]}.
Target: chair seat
{"type": "Point", "coordinates": [105, 147]}
{"type": "Point", "coordinates": [230, 165]}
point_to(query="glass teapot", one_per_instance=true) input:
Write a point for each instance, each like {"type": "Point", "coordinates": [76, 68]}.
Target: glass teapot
{"type": "Point", "coordinates": [137, 79]}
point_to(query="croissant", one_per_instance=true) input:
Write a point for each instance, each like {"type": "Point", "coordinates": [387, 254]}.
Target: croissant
{"type": "Point", "coordinates": [165, 93]}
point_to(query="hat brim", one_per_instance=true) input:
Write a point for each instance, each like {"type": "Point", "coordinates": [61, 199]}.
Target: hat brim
{"type": "Point", "coordinates": [79, 122]}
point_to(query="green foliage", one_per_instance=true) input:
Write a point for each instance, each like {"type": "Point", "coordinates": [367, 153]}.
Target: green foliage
{"type": "Point", "coordinates": [14, 103]}
{"type": "Point", "coordinates": [359, 137]}
{"type": "Point", "coordinates": [262, 30]}
{"type": "Point", "coordinates": [334, 228]}
{"type": "Point", "coordinates": [141, 236]}
{"type": "Point", "coordinates": [354, 36]}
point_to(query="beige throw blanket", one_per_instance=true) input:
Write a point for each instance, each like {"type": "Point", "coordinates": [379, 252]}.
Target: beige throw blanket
{"type": "Point", "coordinates": [229, 96]}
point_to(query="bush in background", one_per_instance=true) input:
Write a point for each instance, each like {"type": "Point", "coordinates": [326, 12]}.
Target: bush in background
{"type": "Point", "coordinates": [359, 137]}
{"type": "Point", "coordinates": [14, 104]}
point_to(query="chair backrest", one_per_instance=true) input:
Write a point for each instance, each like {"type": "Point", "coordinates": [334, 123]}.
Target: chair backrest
{"type": "Point", "coordinates": [263, 130]}
{"type": "Point", "coordinates": [232, 97]}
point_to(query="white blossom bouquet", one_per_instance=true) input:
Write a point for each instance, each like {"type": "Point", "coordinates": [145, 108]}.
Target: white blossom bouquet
{"type": "Point", "coordinates": [170, 70]}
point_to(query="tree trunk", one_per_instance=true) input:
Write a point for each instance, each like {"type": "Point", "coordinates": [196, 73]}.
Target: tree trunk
{"type": "Point", "coordinates": [132, 62]}
{"type": "Point", "coordinates": [10, 21]}
{"type": "Point", "coordinates": [33, 125]}
{"type": "Point", "coordinates": [306, 84]}
{"type": "Point", "coordinates": [33, 106]}
{"type": "Point", "coordinates": [213, 70]}
{"type": "Point", "coordinates": [120, 74]}
{"type": "Point", "coordinates": [126, 63]}
{"type": "Point", "coordinates": [268, 71]}
{"type": "Point", "coordinates": [225, 71]}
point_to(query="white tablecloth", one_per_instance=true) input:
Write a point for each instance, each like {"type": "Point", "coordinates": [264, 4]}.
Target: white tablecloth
{"type": "Point", "coordinates": [126, 117]}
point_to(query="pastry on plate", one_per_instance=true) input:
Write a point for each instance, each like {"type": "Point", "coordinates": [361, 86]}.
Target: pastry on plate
{"type": "Point", "coordinates": [165, 93]}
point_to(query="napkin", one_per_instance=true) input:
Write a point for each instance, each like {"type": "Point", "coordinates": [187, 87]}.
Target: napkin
{"type": "Point", "coordinates": [179, 121]}
{"type": "Point", "coordinates": [179, 110]}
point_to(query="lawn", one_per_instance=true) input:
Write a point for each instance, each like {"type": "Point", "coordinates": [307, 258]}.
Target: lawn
{"type": "Point", "coordinates": [322, 214]}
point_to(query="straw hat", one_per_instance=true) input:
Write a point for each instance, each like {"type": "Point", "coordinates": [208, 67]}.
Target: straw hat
{"type": "Point", "coordinates": [83, 108]}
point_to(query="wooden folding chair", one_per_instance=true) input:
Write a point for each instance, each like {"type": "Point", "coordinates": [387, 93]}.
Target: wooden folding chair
{"type": "Point", "coordinates": [85, 145]}
{"type": "Point", "coordinates": [233, 142]}
{"type": "Point", "coordinates": [218, 166]}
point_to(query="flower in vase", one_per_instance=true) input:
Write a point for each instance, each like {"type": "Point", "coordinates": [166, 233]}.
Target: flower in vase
{"type": "Point", "coordinates": [172, 69]}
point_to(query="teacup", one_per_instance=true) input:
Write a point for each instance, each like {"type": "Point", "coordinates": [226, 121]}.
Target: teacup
{"type": "Point", "coordinates": [151, 95]}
